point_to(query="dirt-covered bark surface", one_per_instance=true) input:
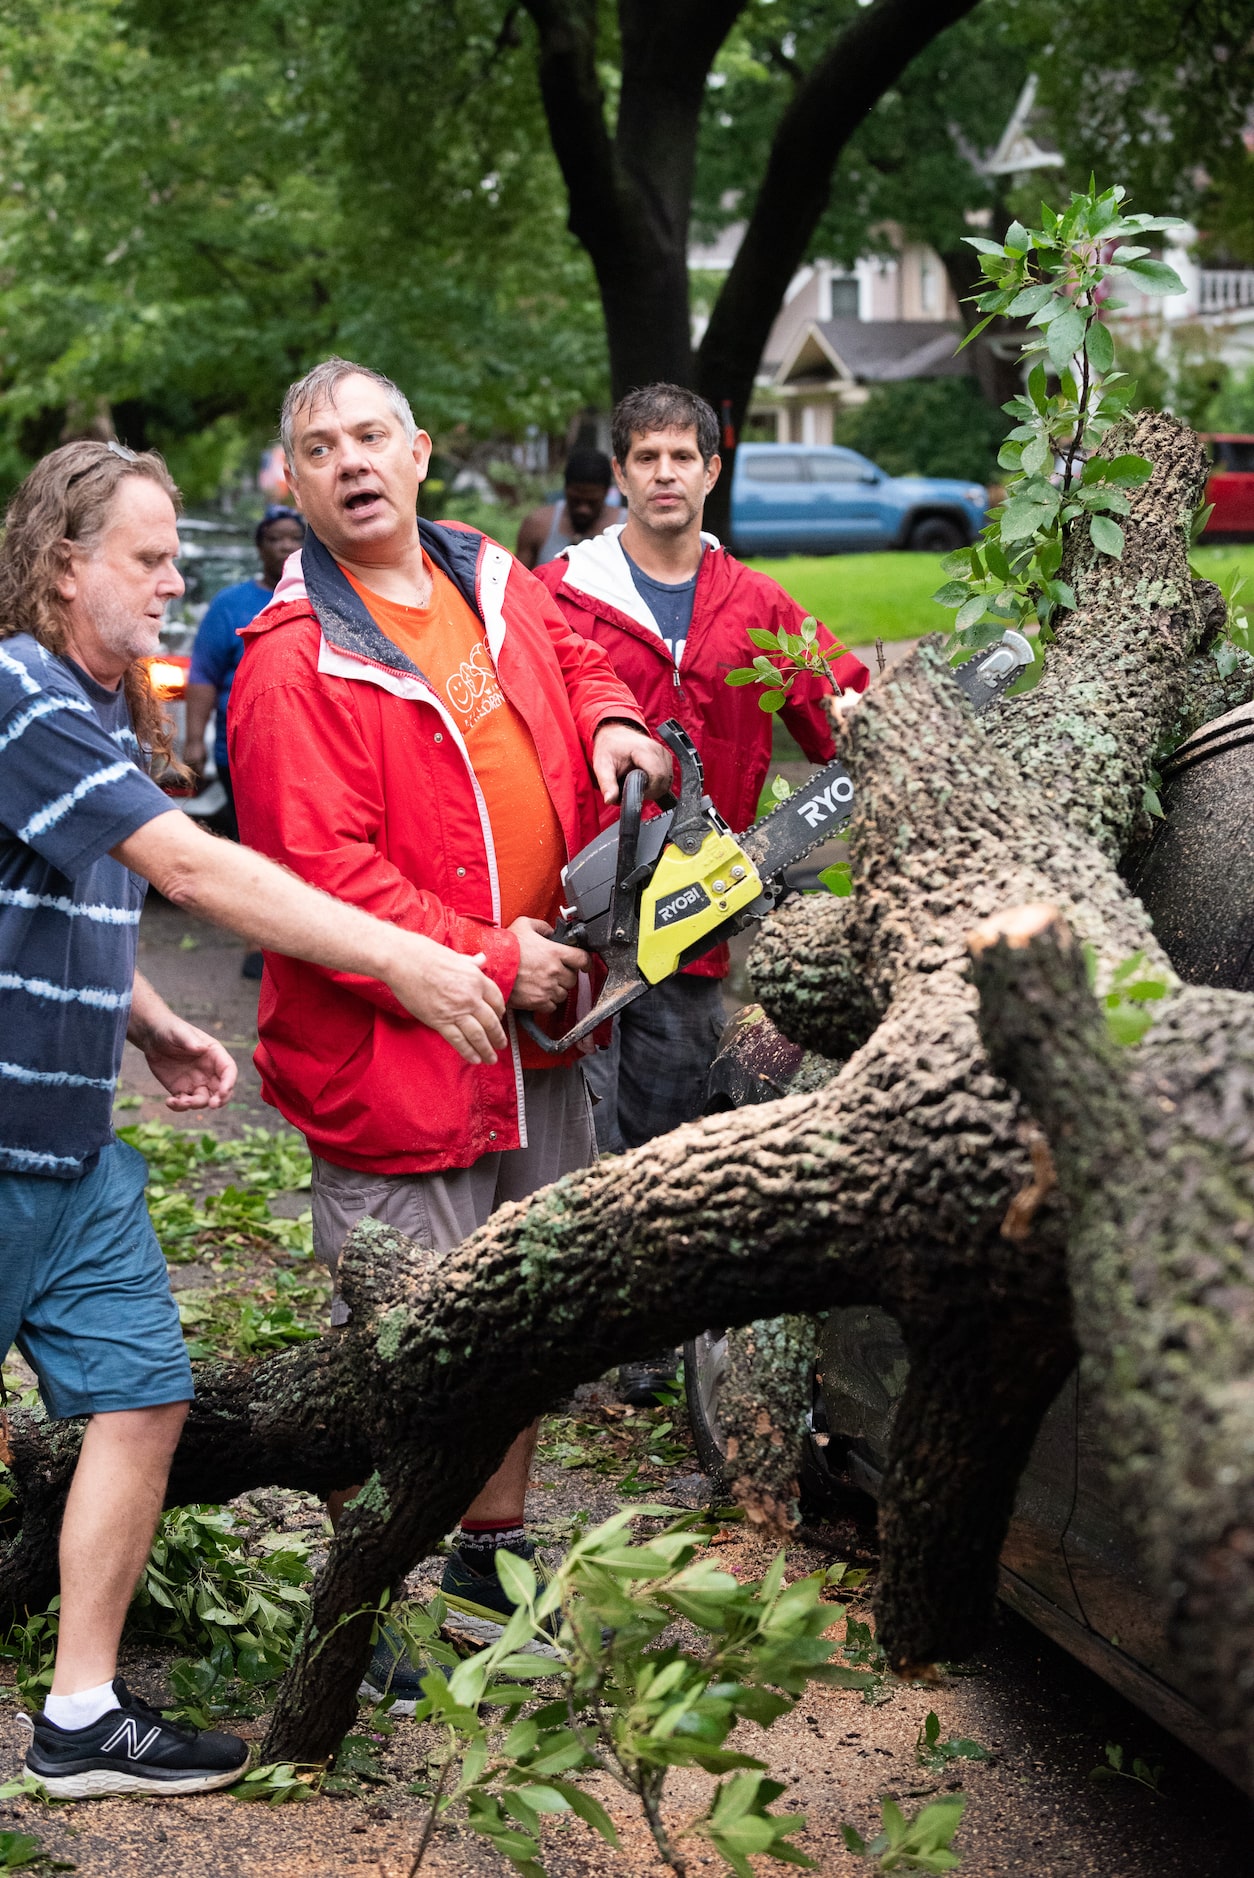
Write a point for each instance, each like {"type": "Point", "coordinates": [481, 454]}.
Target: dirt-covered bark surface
{"type": "Point", "coordinates": [1031, 1809]}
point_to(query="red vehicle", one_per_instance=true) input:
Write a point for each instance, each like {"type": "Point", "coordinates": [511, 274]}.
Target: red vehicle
{"type": "Point", "coordinates": [1230, 488]}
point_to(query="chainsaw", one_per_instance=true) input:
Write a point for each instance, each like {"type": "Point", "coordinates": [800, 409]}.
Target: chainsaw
{"type": "Point", "coordinates": [649, 896]}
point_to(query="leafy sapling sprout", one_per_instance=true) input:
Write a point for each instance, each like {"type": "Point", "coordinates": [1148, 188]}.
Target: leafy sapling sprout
{"type": "Point", "coordinates": [921, 1843]}
{"type": "Point", "coordinates": [1060, 276]}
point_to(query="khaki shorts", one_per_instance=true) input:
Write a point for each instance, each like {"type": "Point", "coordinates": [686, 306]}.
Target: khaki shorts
{"type": "Point", "coordinates": [440, 1210]}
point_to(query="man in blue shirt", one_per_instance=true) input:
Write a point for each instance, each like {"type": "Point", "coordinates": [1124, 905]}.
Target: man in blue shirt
{"type": "Point", "coordinates": [87, 565]}
{"type": "Point", "coordinates": [218, 647]}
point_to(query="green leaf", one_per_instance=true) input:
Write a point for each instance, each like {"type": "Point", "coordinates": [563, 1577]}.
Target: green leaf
{"type": "Point", "coordinates": [1065, 336]}
{"type": "Point", "coordinates": [760, 636]}
{"type": "Point", "coordinates": [837, 879]}
{"type": "Point", "coordinates": [743, 675]}
{"type": "Point", "coordinates": [1025, 514]}
{"type": "Point", "coordinates": [1106, 536]}
{"type": "Point", "coordinates": [953, 593]}
{"type": "Point", "coordinates": [970, 612]}
{"type": "Point", "coordinates": [1154, 277]}
{"type": "Point", "coordinates": [1018, 240]}
{"type": "Point", "coordinates": [1030, 300]}
{"type": "Point", "coordinates": [588, 1809]}
{"type": "Point", "coordinates": [1128, 1024]}
{"type": "Point", "coordinates": [1035, 456]}
{"type": "Point", "coordinates": [1100, 347]}
{"type": "Point", "coordinates": [773, 700]}
{"type": "Point", "coordinates": [517, 1576]}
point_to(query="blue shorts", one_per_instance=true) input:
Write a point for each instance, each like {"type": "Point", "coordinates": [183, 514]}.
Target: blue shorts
{"type": "Point", "coordinates": [84, 1290]}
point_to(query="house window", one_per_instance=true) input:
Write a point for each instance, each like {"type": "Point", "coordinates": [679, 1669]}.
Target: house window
{"type": "Point", "coordinates": [844, 299]}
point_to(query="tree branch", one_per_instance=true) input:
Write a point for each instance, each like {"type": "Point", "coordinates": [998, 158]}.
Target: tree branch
{"type": "Point", "coordinates": [841, 89]}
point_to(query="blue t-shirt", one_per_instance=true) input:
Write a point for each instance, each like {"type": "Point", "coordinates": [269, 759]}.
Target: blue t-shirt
{"type": "Point", "coordinates": [71, 788]}
{"type": "Point", "coordinates": [671, 606]}
{"type": "Point", "coordinates": [218, 651]}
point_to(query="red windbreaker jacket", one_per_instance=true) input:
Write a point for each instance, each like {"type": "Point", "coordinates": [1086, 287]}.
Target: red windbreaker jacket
{"type": "Point", "coordinates": [593, 586]}
{"type": "Point", "coordinates": [348, 768]}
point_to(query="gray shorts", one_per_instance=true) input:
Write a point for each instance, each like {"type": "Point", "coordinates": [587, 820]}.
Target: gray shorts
{"type": "Point", "coordinates": [440, 1210]}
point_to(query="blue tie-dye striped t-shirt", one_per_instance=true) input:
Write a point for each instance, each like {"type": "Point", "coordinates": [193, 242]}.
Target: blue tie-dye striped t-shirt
{"type": "Point", "coordinates": [70, 789]}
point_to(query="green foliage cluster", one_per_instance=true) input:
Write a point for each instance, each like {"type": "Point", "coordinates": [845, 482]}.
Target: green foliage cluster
{"type": "Point", "coordinates": [907, 166]}
{"type": "Point", "coordinates": [1143, 1773]}
{"type": "Point", "coordinates": [630, 1705]}
{"type": "Point", "coordinates": [937, 1752]}
{"type": "Point", "coordinates": [794, 653]}
{"type": "Point", "coordinates": [260, 1313]}
{"type": "Point", "coordinates": [238, 1598]}
{"type": "Point", "coordinates": [1130, 989]}
{"type": "Point", "coordinates": [21, 1851]}
{"type": "Point", "coordinates": [213, 1585]}
{"type": "Point", "coordinates": [198, 203]}
{"type": "Point", "coordinates": [1182, 373]}
{"type": "Point", "coordinates": [926, 427]}
{"type": "Point", "coordinates": [923, 1843]}
{"type": "Point", "coordinates": [1059, 277]}
{"type": "Point", "coordinates": [265, 1162]}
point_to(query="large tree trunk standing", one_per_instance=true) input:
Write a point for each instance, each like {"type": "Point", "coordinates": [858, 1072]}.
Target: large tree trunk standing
{"type": "Point", "coordinates": [981, 1159]}
{"type": "Point", "coordinates": [630, 190]}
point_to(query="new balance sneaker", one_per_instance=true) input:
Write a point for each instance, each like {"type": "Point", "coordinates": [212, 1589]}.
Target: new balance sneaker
{"type": "Point", "coordinates": [132, 1749]}
{"type": "Point", "coordinates": [482, 1595]}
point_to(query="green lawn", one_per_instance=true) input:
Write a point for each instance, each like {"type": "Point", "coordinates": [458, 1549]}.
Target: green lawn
{"type": "Point", "coordinates": [864, 597]}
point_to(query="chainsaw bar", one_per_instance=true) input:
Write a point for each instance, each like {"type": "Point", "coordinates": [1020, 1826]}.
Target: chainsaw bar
{"type": "Point", "coordinates": [820, 808]}
{"type": "Point", "coordinates": [812, 814]}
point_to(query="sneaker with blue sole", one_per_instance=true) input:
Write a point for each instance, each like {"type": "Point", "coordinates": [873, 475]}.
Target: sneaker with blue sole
{"type": "Point", "coordinates": [130, 1749]}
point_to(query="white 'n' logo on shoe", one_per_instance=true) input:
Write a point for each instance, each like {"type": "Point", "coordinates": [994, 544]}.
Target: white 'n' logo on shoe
{"type": "Point", "coordinates": [129, 1732]}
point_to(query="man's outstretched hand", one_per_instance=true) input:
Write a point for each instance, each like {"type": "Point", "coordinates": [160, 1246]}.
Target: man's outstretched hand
{"type": "Point", "coordinates": [193, 1066]}
{"type": "Point", "coordinates": [619, 747]}
{"type": "Point", "coordinates": [447, 990]}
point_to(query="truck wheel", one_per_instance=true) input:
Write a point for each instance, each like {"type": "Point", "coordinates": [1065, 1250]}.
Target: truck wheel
{"type": "Point", "coordinates": [935, 535]}
{"type": "Point", "coordinates": [705, 1365]}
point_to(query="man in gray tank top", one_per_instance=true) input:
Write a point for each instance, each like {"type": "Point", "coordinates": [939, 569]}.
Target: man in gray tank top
{"type": "Point", "coordinates": [583, 512]}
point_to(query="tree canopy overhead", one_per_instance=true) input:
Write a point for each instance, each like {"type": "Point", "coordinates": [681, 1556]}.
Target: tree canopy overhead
{"type": "Point", "coordinates": [196, 201]}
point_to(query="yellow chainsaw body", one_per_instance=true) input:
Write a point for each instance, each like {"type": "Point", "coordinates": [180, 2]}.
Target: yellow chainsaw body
{"type": "Point", "coordinates": [688, 896]}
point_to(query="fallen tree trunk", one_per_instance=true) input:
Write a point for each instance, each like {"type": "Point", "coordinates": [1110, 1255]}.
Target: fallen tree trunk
{"type": "Point", "coordinates": [919, 1177]}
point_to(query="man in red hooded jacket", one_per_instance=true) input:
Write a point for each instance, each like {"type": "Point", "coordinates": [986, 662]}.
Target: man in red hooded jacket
{"type": "Point", "coordinates": [415, 729]}
{"type": "Point", "coordinates": [673, 610]}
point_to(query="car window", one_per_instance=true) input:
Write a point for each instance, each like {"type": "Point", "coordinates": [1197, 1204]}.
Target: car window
{"type": "Point", "coordinates": [1240, 457]}
{"type": "Point", "coordinates": [834, 469]}
{"type": "Point", "coordinates": [773, 469]}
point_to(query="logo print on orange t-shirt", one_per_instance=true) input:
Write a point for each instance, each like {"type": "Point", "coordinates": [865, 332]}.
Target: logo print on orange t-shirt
{"type": "Point", "coordinates": [473, 690]}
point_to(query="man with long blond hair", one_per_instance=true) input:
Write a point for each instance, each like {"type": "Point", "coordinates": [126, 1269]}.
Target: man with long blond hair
{"type": "Point", "coordinates": [87, 566]}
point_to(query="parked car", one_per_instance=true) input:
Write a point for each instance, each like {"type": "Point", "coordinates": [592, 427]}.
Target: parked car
{"type": "Point", "coordinates": [789, 499]}
{"type": "Point", "coordinates": [1230, 488]}
{"type": "Point", "coordinates": [1069, 1564]}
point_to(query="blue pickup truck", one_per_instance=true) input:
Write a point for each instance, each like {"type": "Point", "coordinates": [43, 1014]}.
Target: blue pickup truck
{"type": "Point", "coordinates": [797, 499]}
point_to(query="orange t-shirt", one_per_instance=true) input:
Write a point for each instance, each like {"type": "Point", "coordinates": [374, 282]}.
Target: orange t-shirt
{"type": "Point", "coordinates": [446, 641]}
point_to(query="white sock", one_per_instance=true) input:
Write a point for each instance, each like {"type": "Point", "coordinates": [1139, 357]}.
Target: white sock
{"type": "Point", "coordinates": [82, 1708]}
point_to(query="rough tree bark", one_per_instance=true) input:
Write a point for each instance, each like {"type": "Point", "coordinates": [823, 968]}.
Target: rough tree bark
{"type": "Point", "coordinates": [630, 189]}
{"type": "Point", "coordinates": [979, 1160]}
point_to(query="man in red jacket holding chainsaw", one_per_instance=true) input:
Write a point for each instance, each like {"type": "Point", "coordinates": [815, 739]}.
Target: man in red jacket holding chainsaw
{"type": "Point", "coordinates": [415, 729]}
{"type": "Point", "coordinates": [673, 610]}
